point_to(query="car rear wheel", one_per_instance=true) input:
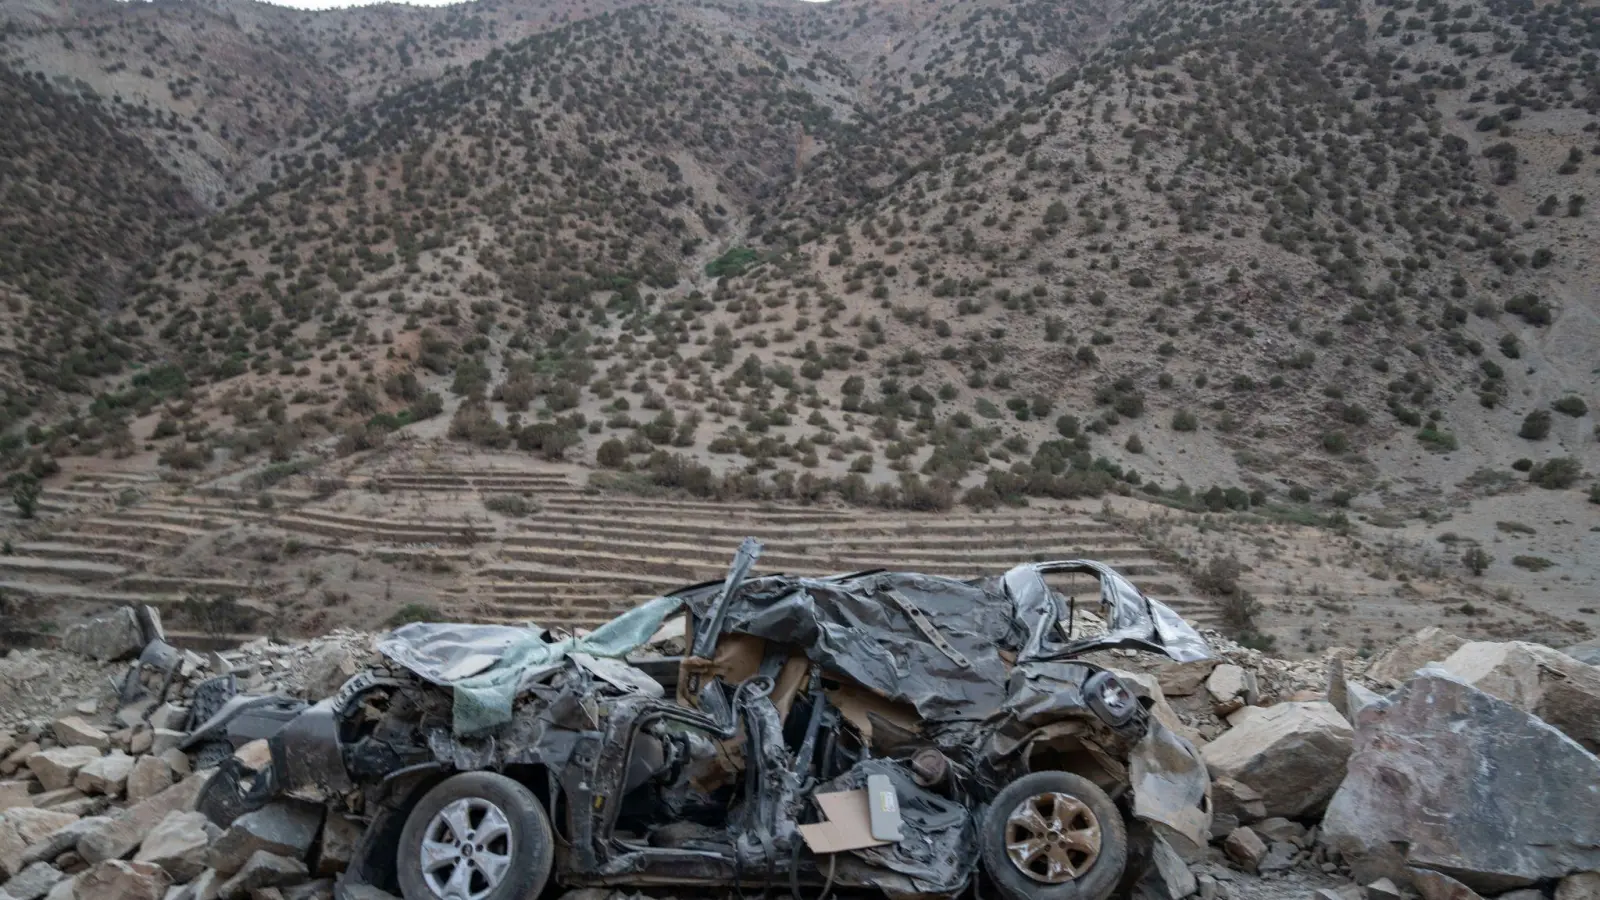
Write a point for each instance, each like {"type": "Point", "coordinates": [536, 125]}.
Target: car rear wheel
{"type": "Point", "coordinates": [1054, 836]}
{"type": "Point", "coordinates": [475, 836]}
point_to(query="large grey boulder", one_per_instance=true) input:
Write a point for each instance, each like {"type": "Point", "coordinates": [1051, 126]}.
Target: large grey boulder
{"type": "Point", "coordinates": [1536, 679]}
{"type": "Point", "coordinates": [1292, 754]}
{"type": "Point", "coordinates": [116, 636]}
{"type": "Point", "coordinates": [1397, 664]}
{"type": "Point", "coordinates": [285, 828]}
{"type": "Point", "coordinates": [1447, 777]}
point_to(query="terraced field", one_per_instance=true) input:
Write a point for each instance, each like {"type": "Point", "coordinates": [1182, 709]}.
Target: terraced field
{"type": "Point", "coordinates": [575, 559]}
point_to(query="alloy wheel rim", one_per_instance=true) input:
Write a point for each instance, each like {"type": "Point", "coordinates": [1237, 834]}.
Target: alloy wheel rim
{"type": "Point", "coordinates": [1052, 837]}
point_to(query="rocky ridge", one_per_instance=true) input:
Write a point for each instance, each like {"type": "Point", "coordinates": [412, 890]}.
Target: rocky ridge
{"type": "Point", "coordinates": [1321, 769]}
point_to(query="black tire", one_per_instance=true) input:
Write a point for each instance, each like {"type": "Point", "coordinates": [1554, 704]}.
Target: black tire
{"type": "Point", "coordinates": [1096, 882]}
{"type": "Point", "coordinates": [530, 843]}
{"type": "Point", "coordinates": [211, 754]}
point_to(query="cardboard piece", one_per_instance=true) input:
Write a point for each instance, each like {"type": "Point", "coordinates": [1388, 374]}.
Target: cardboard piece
{"type": "Point", "coordinates": [848, 825]}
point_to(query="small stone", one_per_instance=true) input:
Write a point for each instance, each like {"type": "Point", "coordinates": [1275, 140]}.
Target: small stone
{"type": "Point", "coordinates": [75, 732]}
{"type": "Point", "coordinates": [107, 775]}
{"type": "Point", "coordinates": [262, 870]}
{"type": "Point", "coordinates": [1383, 889]}
{"type": "Point", "coordinates": [17, 758]}
{"type": "Point", "coordinates": [87, 707]}
{"type": "Point", "coordinates": [1244, 847]}
{"type": "Point", "coordinates": [20, 829]}
{"type": "Point", "coordinates": [171, 716]}
{"type": "Point", "coordinates": [150, 776]}
{"type": "Point", "coordinates": [133, 714]}
{"type": "Point", "coordinates": [116, 879]}
{"type": "Point", "coordinates": [327, 671]}
{"type": "Point", "coordinates": [33, 882]}
{"type": "Point", "coordinates": [56, 768]}
{"type": "Point", "coordinates": [340, 833]}
{"type": "Point", "coordinates": [1207, 887]}
{"type": "Point", "coordinates": [1439, 886]}
{"type": "Point", "coordinates": [61, 841]}
{"type": "Point", "coordinates": [15, 793]}
{"type": "Point", "coordinates": [1582, 886]}
{"type": "Point", "coordinates": [111, 838]}
{"type": "Point", "coordinates": [53, 799]}
{"type": "Point", "coordinates": [1278, 828]}
{"type": "Point", "coordinates": [178, 844]}
{"type": "Point", "coordinates": [1225, 682]}
{"type": "Point", "coordinates": [165, 739]}
{"type": "Point", "coordinates": [321, 889]}
{"type": "Point", "coordinates": [1280, 857]}
{"type": "Point", "coordinates": [1168, 877]}
{"type": "Point", "coordinates": [255, 756]}
{"type": "Point", "coordinates": [139, 742]}
{"type": "Point", "coordinates": [177, 759]}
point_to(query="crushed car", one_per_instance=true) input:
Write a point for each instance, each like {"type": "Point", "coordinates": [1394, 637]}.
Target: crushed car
{"type": "Point", "coordinates": [882, 730]}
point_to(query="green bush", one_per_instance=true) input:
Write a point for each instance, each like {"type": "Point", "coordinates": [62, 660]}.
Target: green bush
{"type": "Point", "coordinates": [414, 612]}
{"type": "Point", "coordinates": [1571, 405]}
{"type": "Point", "coordinates": [734, 262]}
{"type": "Point", "coordinates": [1436, 440]}
{"type": "Point", "coordinates": [1531, 563]}
{"type": "Point", "coordinates": [1561, 472]}
{"type": "Point", "coordinates": [1536, 427]}
{"type": "Point", "coordinates": [1184, 420]}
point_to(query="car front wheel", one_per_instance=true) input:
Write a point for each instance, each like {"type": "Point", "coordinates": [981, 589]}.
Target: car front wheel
{"type": "Point", "coordinates": [1054, 836]}
{"type": "Point", "coordinates": [475, 836]}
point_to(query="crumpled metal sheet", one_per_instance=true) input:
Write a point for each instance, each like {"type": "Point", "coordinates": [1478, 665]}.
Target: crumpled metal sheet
{"type": "Point", "coordinates": [852, 628]}
{"type": "Point", "coordinates": [938, 851]}
{"type": "Point", "coordinates": [487, 666]}
{"type": "Point", "coordinates": [1171, 788]}
{"type": "Point", "coordinates": [1132, 619]}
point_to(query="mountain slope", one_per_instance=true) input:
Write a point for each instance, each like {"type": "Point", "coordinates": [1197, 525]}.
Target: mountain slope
{"type": "Point", "coordinates": [83, 205]}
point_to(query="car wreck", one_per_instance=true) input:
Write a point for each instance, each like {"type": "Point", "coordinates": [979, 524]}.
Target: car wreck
{"type": "Point", "coordinates": [882, 730]}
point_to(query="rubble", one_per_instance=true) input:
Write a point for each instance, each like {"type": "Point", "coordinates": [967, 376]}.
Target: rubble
{"type": "Point", "coordinates": [1440, 744]}
{"type": "Point", "coordinates": [96, 799]}
{"type": "Point", "coordinates": [1292, 754]}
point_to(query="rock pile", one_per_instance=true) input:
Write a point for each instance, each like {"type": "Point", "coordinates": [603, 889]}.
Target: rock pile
{"type": "Point", "coordinates": [1442, 769]}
